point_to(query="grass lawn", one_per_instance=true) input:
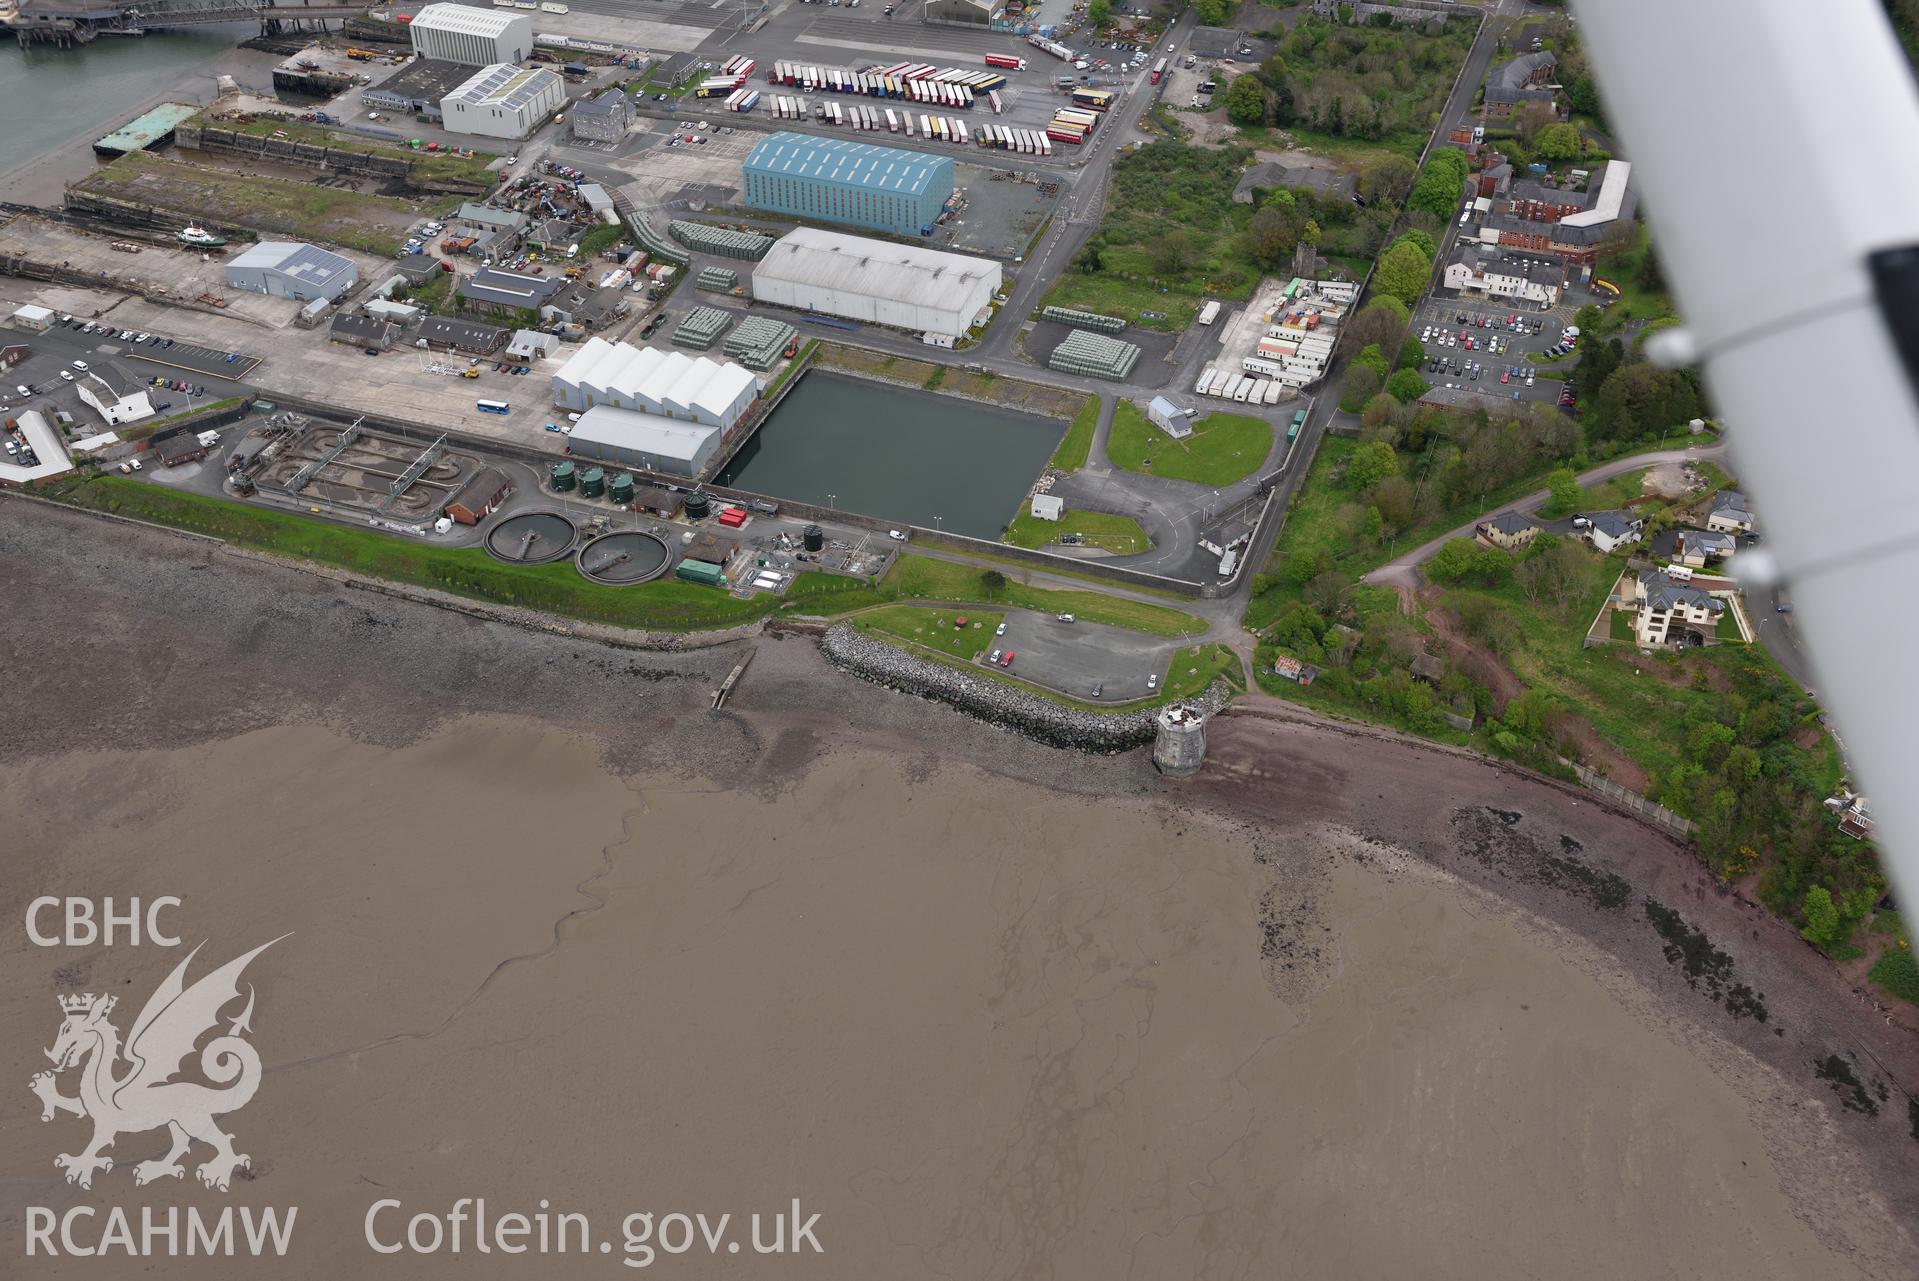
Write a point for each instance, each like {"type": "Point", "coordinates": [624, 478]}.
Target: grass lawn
{"type": "Point", "coordinates": [1193, 669]}
{"type": "Point", "coordinates": [1222, 449]}
{"type": "Point", "coordinates": [923, 578]}
{"type": "Point", "coordinates": [1622, 626]}
{"type": "Point", "coordinates": [1120, 535]}
{"type": "Point", "coordinates": [464, 571]}
{"type": "Point", "coordinates": [1727, 628]}
{"type": "Point", "coordinates": [934, 629]}
{"type": "Point", "coordinates": [1077, 444]}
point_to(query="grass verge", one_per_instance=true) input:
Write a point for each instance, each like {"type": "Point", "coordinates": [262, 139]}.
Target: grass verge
{"type": "Point", "coordinates": [922, 578]}
{"type": "Point", "coordinates": [1120, 535]}
{"type": "Point", "coordinates": [1076, 446]}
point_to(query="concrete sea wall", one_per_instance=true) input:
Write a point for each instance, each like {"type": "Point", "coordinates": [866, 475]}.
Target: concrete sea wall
{"type": "Point", "coordinates": [996, 702]}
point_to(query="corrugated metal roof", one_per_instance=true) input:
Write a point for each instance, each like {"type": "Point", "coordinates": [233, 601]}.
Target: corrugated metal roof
{"type": "Point", "coordinates": [642, 433]}
{"type": "Point", "coordinates": [505, 85]}
{"type": "Point", "coordinates": [875, 268]}
{"type": "Point", "coordinates": [464, 19]}
{"type": "Point", "coordinates": [310, 263]}
{"type": "Point", "coordinates": [858, 165]}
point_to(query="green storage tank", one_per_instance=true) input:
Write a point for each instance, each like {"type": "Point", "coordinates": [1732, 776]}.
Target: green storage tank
{"type": "Point", "coordinates": [593, 482]}
{"type": "Point", "coordinates": [700, 571]}
{"type": "Point", "coordinates": [621, 489]}
{"type": "Point", "coordinates": [562, 477]}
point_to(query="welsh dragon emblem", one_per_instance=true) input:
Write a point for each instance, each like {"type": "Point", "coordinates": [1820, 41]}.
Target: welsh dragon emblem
{"type": "Point", "coordinates": [130, 1088]}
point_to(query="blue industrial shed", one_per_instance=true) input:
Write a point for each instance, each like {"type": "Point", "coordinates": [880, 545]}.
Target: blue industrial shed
{"type": "Point", "coordinates": [854, 183]}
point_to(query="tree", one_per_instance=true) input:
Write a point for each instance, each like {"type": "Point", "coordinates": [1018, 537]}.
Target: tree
{"type": "Point", "coordinates": [1381, 323]}
{"type": "Point", "coordinates": [1440, 184]}
{"type": "Point", "coordinates": [1212, 13]}
{"type": "Point", "coordinates": [1090, 260]}
{"type": "Point", "coordinates": [1099, 12]}
{"type": "Point", "coordinates": [1328, 593]}
{"type": "Point", "coordinates": [1370, 464]}
{"type": "Point", "coordinates": [1360, 384]}
{"type": "Point", "coordinates": [1406, 386]}
{"type": "Point", "coordinates": [1584, 96]}
{"type": "Point", "coordinates": [1454, 561]}
{"type": "Point", "coordinates": [1270, 236]}
{"type": "Point", "coordinates": [1245, 100]}
{"type": "Point", "coordinates": [1822, 919]}
{"type": "Point", "coordinates": [1173, 252]}
{"type": "Point", "coordinates": [1310, 234]}
{"type": "Point", "coordinates": [1411, 354]}
{"type": "Point", "coordinates": [1531, 118]}
{"type": "Point", "coordinates": [1387, 179]}
{"type": "Point", "coordinates": [1403, 272]}
{"type": "Point", "coordinates": [1373, 358]}
{"type": "Point", "coordinates": [1587, 319]}
{"type": "Point", "coordinates": [1424, 242]}
{"type": "Point", "coordinates": [1557, 143]}
{"type": "Point", "coordinates": [1565, 491]}
{"type": "Point", "coordinates": [992, 582]}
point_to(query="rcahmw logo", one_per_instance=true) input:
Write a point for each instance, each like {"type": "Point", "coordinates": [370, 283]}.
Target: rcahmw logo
{"type": "Point", "coordinates": [133, 1086]}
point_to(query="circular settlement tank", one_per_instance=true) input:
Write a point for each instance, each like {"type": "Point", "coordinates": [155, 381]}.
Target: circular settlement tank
{"type": "Point", "coordinates": [562, 476]}
{"type": "Point", "coordinates": [620, 489]}
{"type": "Point", "coordinates": [698, 505]}
{"type": "Point", "coordinates": [623, 557]}
{"type": "Point", "coordinates": [592, 482]}
{"type": "Point", "coordinates": [813, 538]}
{"type": "Point", "coordinates": [531, 538]}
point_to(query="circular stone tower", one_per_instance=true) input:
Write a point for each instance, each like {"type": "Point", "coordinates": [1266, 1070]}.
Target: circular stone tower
{"type": "Point", "coordinates": [1179, 748]}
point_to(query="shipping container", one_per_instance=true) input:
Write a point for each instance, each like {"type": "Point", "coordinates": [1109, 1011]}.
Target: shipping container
{"type": "Point", "coordinates": [908, 126]}
{"type": "Point", "coordinates": [1045, 146]}
{"type": "Point", "coordinates": [699, 571]}
{"type": "Point", "coordinates": [926, 127]}
{"type": "Point", "coordinates": [960, 132]}
{"type": "Point", "coordinates": [1066, 136]}
{"type": "Point", "coordinates": [752, 101]}
{"type": "Point", "coordinates": [1096, 99]}
{"type": "Point", "coordinates": [892, 121]}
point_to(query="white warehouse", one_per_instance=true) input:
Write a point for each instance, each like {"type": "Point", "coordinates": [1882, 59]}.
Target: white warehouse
{"type": "Point", "coordinates": [630, 438]}
{"type": "Point", "coordinates": [472, 37]}
{"type": "Point", "coordinates": [647, 380]}
{"type": "Point", "coordinates": [503, 102]}
{"type": "Point", "coordinates": [904, 286]}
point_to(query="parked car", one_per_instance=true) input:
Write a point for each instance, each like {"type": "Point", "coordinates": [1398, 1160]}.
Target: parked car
{"type": "Point", "coordinates": [993, 657]}
{"type": "Point", "coordinates": [1008, 660]}
{"type": "Point", "coordinates": [80, 365]}
{"type": "Point", "coordinates": [66, 375]}
{"type": "Point", "coordinates": [1152, 681]}
{"type": "Point", "coordinates": [1000, 630]}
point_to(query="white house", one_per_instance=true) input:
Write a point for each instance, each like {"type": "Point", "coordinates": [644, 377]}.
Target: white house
{"type": "Point", "coordinates": [115, 396]}
{"type": "Point", "coordinates": [1731, 514]}
{"type": "Point", "coordinates": [1608, 530]}
{"type": "Point", "coordinates": [1669, 612]}
{"type": "Point", "coordinates": [1047, 507]}
{"type": "Point", "coordinates": [1531, 280]}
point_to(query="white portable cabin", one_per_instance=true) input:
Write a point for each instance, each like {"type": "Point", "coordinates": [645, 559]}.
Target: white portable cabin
{"type": "Point", "coordinates": [1244, 391]}
{"type": "Point", "coordinates": [1205, 382]}
{"type": "Point", "coordinates": [1273, 390]}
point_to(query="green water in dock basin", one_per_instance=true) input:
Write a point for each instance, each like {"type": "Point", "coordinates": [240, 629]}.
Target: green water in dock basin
{"type": "Point", "coordinates": [897, 454]}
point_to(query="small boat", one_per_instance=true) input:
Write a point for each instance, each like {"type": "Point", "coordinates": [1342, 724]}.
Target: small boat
{"type": "Point", "coordinates": [201, 237]}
